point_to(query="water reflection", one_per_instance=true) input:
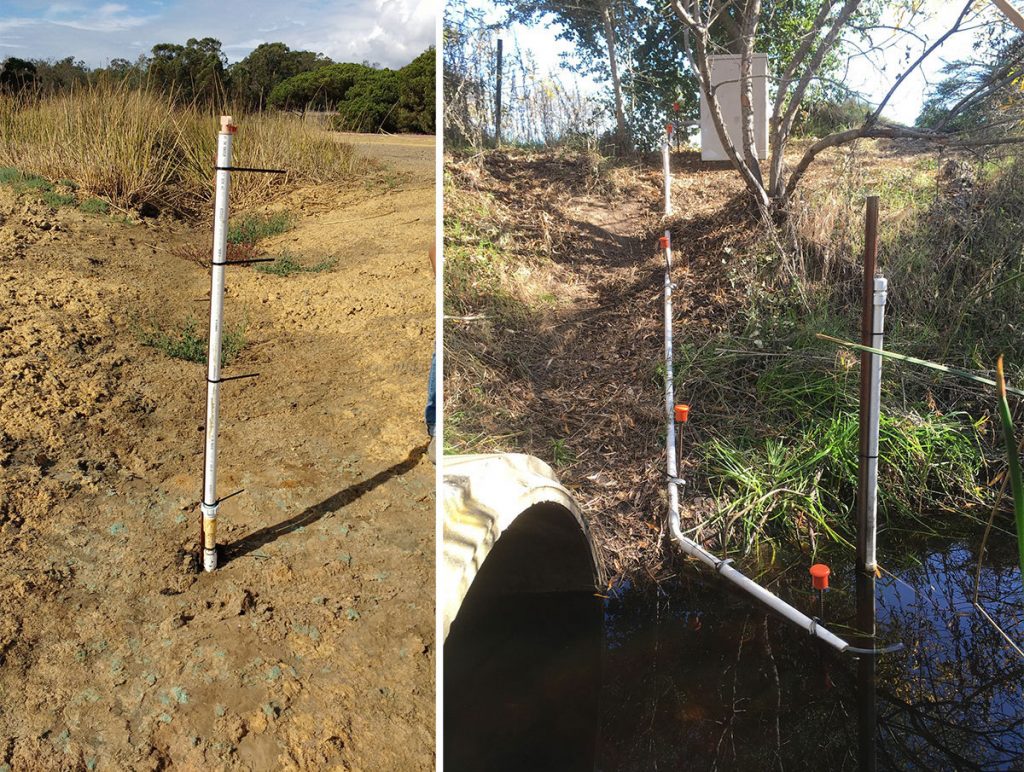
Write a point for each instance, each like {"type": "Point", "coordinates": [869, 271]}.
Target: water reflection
{"type": "Point", "coordinates": [693, 676]}
{"type": "Point", "coordinates": [696, 678]}
{"type": "Point", "coordinates": [866, 692]}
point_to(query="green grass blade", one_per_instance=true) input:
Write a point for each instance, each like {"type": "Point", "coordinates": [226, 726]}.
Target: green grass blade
{"type": "Point", "coordinates": [965, 374]}
{"type": "Point", "coordinates": [1012, 462]}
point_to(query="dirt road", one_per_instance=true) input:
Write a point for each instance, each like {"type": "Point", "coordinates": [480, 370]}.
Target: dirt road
{"type": "Point", "coordinates": [312, 647]}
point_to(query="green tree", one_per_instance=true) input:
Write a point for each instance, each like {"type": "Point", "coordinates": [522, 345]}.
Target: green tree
{"type": "Point", "coordinates": [319, 89]}
{"type": "Point", "coordinates": [597, 29]}
{"type": "Point", "coordinates": [60, 75]}
{"type": "Point", "coordinates": [371, 104]}
{"type": "Point", "coordinates": [194, 72]}
{"type": "Point", "coordinates": [815, 36]}
{"type": "Point", "coordinates": [417, 94]}
{"type": "Point", "coordinates": [121, 70]}
{"type": "Point", "coordinates": [392, 100]}
{"type": "Point", "coordinates": [269, 64]}
{"type": "Point", "coordinates": [17, 75]}
{"type": "Point", "coordinates": [659, 80]}
{"type": "Point", "coordinates": [982, 95]}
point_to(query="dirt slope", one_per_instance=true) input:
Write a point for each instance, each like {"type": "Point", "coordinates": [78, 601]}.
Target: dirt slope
{"type": "Point", "coordinates": [313, 646]}
{"type": "Point", "coordinates": [580, 385]}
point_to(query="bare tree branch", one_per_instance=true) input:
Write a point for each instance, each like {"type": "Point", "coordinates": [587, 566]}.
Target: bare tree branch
{"type": "Point", "coordinates": [924, 55]}
{"type": "Point", "coordinates": [784, 121]}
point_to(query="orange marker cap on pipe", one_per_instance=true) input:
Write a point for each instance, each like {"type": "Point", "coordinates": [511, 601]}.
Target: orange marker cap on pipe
{"type": "Point", "coordinates": [819, 576]}
{"type": "Point", "coordinates": [663, 241]}
{"type": "Point", "coordinates": [682, 413]}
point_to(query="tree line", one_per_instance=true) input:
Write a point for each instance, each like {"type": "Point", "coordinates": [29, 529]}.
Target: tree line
{"type": "Point", "coordinates": [656, 59]}
{"type": "Point", "coordinates": [365, 96]}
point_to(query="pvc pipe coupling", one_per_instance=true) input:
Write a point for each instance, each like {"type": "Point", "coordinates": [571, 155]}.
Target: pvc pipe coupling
{"type": "Point", "coordinates": [209, 536]}
{"type": "Point", "coordinates": [881, 290]}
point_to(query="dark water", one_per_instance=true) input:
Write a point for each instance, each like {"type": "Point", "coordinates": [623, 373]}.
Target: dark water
{"type": "Point", "coordinates": [694, 676]}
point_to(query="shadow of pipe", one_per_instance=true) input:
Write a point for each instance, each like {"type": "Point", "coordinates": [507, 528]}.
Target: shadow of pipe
{"type": "Point", "coordinates": [310, 515]}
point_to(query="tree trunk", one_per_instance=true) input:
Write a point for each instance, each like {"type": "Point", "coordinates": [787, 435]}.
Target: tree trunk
{"type": "Point", "coordinates": [747, 32]}
{"type": "Point", "coordinates": [613, 65]}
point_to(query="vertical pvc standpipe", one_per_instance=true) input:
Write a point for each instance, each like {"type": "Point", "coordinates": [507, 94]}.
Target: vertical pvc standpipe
{"type": "Point", "coordinates": [874, 410]}
{"type": "Point", "coordinates": [667, 172]}
{"type": "Point", "coordinates": [869, 390]}
{"type": "Point", "coordinates": [670, 398]}
{"type": "Point", "coordinates": [689, 546]}
{"type": "Point", "coordinates": [220, 242]}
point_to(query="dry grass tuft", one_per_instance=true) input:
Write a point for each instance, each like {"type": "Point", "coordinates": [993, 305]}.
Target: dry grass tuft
{"type": "Point", "coordinates": [139, 151]}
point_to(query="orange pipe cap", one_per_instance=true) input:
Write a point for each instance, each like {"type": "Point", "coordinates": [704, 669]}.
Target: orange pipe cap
{"type": "Point", "coordinates": [819, 576]}
{"type": "Point", "coordinates": [682, 413]}
{"type": "Point", "coordinates": [663, 242]}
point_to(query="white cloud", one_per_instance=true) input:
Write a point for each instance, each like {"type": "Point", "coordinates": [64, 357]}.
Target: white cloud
{"type": "Point", "coordinates": [391, 32]}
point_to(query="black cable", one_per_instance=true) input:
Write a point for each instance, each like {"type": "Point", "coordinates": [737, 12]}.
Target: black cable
{"type": "Point", "coordinates": [231, 378]}
{"type": "Point", "coordinates": [249, 169]}
{"type": "Point", "coordinates": [246, 262]}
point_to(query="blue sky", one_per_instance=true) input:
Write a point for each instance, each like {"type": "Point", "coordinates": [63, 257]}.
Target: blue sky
{"type": "Point", "coordinates": [391, 32]}
{"type": "Point", "coordinates": [870, 78]}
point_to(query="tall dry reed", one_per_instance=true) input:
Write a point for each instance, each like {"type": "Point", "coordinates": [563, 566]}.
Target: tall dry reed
{"type": "Point", "coordinates": [139, 150]}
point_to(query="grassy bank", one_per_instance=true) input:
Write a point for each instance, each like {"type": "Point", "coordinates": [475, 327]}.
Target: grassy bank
{"type": "Point", "coordinates": [783, 466]}
{"type": "Point", "coordinates": [771, 449]}
{"type": "Point", "coordinates": [138, 150]}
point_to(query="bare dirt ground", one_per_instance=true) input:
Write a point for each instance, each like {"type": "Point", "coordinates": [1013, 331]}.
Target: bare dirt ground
{"type": "Point", "coordinates": [402, 150]}
{"type": "Point", "coordinates": [312, 647]}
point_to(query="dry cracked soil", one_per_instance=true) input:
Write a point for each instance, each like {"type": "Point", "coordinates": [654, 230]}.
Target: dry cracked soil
{"type": "Point", "coordinates": [312, 646]}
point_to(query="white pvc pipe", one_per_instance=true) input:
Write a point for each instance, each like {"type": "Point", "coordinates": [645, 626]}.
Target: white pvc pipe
{"type": "Point", "coordinates": [220, 244]}
{"type": "Point", "coordinates": [667, 173]}
{"type": "Point", "coordinates": [874, 418]}
{"type": "Point", "coordinates": [690, 547]}
{"type": "Point", "coordinates": [670, 435]}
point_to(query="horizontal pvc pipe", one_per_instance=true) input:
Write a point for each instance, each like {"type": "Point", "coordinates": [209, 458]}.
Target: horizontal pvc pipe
{"type": "Point", "coordinates": [690, 547]}
{"type": "Point", "coordinates": [773, 602]}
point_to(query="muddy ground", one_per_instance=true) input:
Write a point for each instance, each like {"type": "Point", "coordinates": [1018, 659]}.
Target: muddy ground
{"type": "Point", "coordinates": [313, 645]}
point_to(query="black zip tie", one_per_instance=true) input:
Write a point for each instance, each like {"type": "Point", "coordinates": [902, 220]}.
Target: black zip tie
{"type": "Point", "coordinates": [722, 564]}
{"type": "Point", "coordinates": [230, 495]}
{"type": "Point", "coordinates": [246, 262]}
{"type": "Point", "coordinates": [231, 378]}
{"type": "Point", "coordinates": [248, 169]}
{"type": "Point", "coordinates": [676, 480]}
{"type": "Point", "coordinates": [223, 498]}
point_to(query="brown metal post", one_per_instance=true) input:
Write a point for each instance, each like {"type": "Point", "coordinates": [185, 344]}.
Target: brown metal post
{"type": "Point", "coordinates": [866, 327]}
{"type": "Point", "coordinates": [867, 715]}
